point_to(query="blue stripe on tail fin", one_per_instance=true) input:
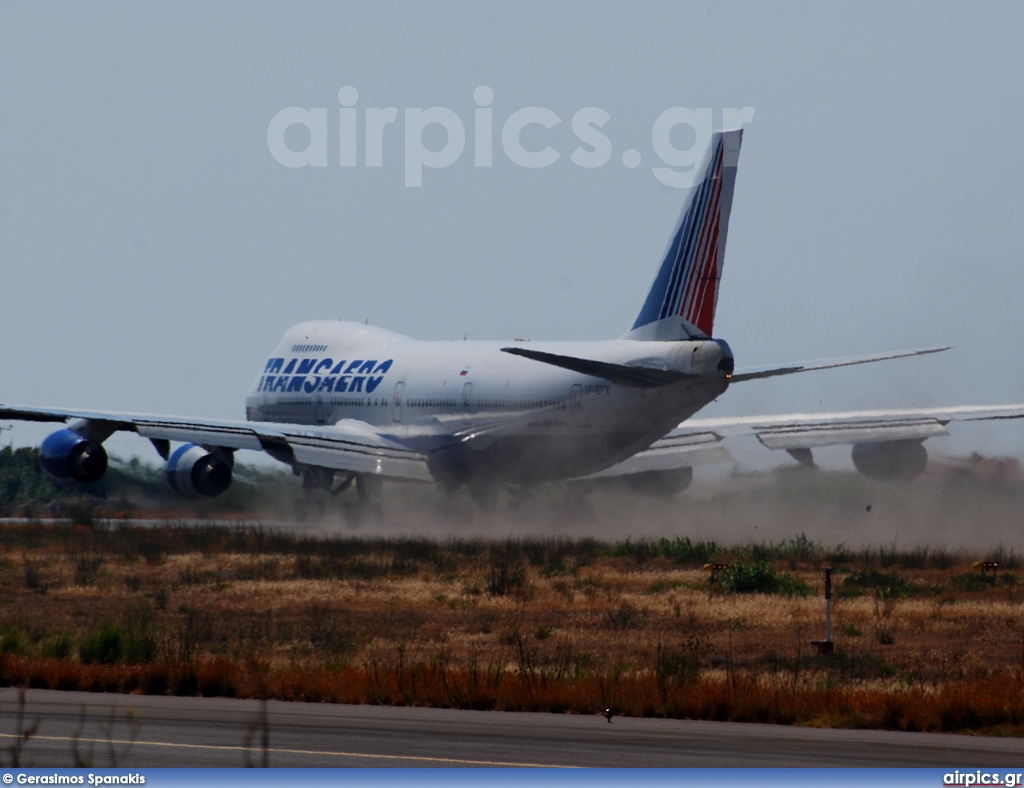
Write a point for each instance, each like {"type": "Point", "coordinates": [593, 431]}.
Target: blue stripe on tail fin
{"type": "Point", "coordinates": [681, 302]}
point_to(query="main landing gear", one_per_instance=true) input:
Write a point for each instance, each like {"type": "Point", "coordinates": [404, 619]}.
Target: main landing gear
{"type": "Point", "coordinates": [312, 505]}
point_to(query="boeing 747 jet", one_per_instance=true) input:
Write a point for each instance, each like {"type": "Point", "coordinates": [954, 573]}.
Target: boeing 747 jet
{"type": "Point", "coordinates": [344, 403]}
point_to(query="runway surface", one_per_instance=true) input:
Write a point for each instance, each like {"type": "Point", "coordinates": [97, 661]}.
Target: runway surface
{"type": "Point", "coordinates": [149, 731]}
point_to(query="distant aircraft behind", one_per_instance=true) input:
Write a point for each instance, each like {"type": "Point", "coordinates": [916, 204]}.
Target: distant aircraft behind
{"type": "Point", "coordinates": [345, 403]}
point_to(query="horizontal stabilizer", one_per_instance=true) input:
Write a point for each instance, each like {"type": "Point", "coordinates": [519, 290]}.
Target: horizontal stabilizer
{"type": "Point", "coordinates": [757, 373]}
{"type": "Point", "coordinates": [642, 377]}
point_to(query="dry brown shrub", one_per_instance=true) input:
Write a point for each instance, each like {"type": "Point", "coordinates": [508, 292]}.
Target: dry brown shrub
{"type": "Point", "coordinates": [641, 637]}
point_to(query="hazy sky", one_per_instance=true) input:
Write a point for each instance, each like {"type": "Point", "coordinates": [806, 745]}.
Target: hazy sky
{"type": "Point", "coordinates": [152, 249]}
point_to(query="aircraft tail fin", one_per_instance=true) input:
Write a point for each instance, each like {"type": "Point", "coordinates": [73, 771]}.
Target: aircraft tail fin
{"type": "Point", "coordinates": [681, 303]}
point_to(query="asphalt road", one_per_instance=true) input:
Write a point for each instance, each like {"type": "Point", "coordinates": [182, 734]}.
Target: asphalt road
{"type": "Point", "coordinates": [145, 731]}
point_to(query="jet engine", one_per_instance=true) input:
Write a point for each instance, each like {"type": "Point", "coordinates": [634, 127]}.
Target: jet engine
{"type": "Point", "coordinates": [70, 458]}
{"type": "Point", "coordinates": [890, 460]}
{"type": "Point", "coordinates": [195, 472]}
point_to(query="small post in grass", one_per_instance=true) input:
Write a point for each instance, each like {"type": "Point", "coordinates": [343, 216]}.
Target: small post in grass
{"type": "Point", "coordinates": [824, 647]}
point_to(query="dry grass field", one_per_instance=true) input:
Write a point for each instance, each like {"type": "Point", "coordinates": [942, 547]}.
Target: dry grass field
{"type": "Point", "coordinates": [554, 620]}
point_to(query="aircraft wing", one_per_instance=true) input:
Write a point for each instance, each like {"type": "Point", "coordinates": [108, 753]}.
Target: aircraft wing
{"type": "Point", "coordinates": [700, 441]}
{"type": "Point", "coordinates": [349, 445]}
{"type": "Point", "coordinates": [678, 449]}
{"type": "Point", "coordinates": [809, 430]}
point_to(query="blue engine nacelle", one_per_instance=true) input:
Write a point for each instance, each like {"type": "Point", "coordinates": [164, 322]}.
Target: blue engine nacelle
{"type": "Point", "coordinates": [195, 472]}
{"type": "Point", "coordinates": [70, 458]}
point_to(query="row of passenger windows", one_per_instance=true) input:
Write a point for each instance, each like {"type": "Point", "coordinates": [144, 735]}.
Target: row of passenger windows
{"type": "Point", "coordinates": [519, 404]}
{"type": "Point", "coordinates": [339, 401]}
{"type": "Point", "coordinates": [295, 401]}
{"type": "Point", "coordinates": [489, 404]}
{"type": "Point", "coordinates": [350, 402]}
{"type": "Point", "coordinates": [355, 402]}
{"type": "Point", "coordinates": [484, 404]}
{"type": "Point", "coordinates": [431, 403]}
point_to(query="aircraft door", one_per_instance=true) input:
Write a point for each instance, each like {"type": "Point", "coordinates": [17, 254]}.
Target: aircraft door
{"type": "Point", "coordinates": [318, 406]}
{"type": "Point", "coordinates": [467, 393]}
{"type": "Point", "coordinates": [399, 395]}
{"type": "Point", "coordinates": [579, 415]}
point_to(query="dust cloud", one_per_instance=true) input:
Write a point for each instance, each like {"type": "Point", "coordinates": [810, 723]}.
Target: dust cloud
{"type": "Point", "coordinates": [975, 504]}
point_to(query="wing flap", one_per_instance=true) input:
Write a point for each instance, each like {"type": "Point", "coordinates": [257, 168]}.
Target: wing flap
{"type": "Point", "coordinates": [353, 446]}
{"type": "Point", "coordinates": [671, 453]}
{"type": "Point", "coordinates": [809, 436]}
{"type": "Point", "coordinates": [729, 426]}
{"type": "Point", "coordinates": [203, 433]}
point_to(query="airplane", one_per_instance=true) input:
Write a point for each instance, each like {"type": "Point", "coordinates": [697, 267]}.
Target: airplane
{"type": "Point", "coordinates": [345, 403]}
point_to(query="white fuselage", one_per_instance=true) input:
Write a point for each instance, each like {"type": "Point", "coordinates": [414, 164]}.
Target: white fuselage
{"type": "Point", "coordinates": [479, 413]}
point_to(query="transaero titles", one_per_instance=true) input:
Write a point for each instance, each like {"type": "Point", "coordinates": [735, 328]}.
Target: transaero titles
{"type": "Point", "coordinates": [312, 374]}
